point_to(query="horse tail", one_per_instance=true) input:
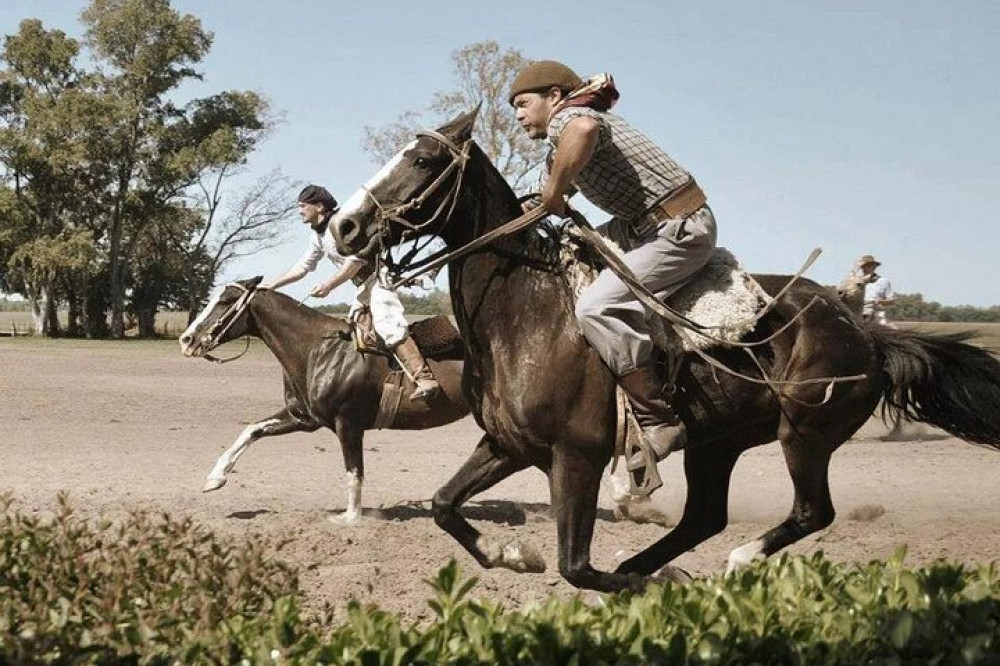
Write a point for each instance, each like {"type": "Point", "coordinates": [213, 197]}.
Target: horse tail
{"type": "Point", "coordinates": [941, 380]}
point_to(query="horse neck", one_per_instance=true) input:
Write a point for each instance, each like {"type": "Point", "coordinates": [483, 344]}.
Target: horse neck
{"type": "Point", "coordinates": [513, 273]}
{"type": "Point", "coordinates": [289, 329]}
{"type": "Point", "coordinates": [852, 293]}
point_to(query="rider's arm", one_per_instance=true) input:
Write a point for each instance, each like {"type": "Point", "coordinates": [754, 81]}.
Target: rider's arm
{"type": "Point", "coordinates": [577, 143]}
{"type": "Point", "coordinates": [294, 274]}
{"type": "Point", "coordinates": [346, 272]}
{"type": "Point", "coordinates": [307, 264]}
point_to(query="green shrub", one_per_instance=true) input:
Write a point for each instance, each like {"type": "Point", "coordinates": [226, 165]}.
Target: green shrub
{"type": "Point", "coordinates": [165, 591]}
{"type": "Point", "coordinates": [76, 592]}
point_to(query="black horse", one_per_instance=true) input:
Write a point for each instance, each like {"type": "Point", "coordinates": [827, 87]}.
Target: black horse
{"type": "Point", "coordinates": [328, 383]}
{"type": "Point", "coordinates": [544, 398]}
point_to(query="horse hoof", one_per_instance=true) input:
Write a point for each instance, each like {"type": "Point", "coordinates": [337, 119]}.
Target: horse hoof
{"type": "Point", "coordinates": [672, 574]}
{"type": "Point", "coordinates": [523, 558]}
{"type": "Point", "coordinates": [346, 518]}
{"type": "Point", "coordinates": [213, 484]}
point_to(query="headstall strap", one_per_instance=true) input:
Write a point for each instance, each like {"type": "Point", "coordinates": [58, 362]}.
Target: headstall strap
{"type": "Point", "coordinates": [226, 321]}
{"type": "Point", "coordinates": [459, 159]}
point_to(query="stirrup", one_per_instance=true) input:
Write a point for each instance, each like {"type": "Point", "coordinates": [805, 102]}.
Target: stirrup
{"type": "Point", "coordinates": [641, 458]}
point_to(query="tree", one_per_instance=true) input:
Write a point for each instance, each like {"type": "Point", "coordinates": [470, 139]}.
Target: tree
{"type": "Point", "coordinates": [45, 107]}
{"type": "Point", "coordinates": [483, 74]}
{"type": "Point", "coordinates": [151, 49]}
{"type": "Point", "coordinates": [251, 223]}
{"type": "Point", "coordinates": [110, 153]}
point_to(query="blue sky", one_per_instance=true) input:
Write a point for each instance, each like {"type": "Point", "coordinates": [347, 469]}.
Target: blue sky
{"type": "Point", "coordinates": [855, 126]}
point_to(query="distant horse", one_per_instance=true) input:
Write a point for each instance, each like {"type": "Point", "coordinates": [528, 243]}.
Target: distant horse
{"type": "Point", "coordinates": [544, 398]}
{"type": "Point", "coordinates": [328, 383]}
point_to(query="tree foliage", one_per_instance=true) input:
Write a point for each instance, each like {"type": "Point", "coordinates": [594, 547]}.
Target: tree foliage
{"type": "Point", "coordinates": [482, 73]}
{"type": "Point", "coordinates": [103, 155]}
{"type": "Point", "coordinates": [913, 307]}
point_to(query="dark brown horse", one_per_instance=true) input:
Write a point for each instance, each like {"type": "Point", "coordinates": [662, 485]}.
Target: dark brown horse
{"type": "Point", "coordinates": [545, 399]}
{"type": "Point", "coordinates": [328, 383]}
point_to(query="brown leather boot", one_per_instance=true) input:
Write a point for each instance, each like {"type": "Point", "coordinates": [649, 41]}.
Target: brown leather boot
{"type": "Point", "coordinates": [661, 427]}
{"type": "Point", "coordinates": [414, 364]}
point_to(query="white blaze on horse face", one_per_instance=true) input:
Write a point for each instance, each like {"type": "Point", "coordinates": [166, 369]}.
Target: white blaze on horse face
{"type": "Point", "coordinates": [354, 205]}
{"type": "Point", "coordinates": [188, 334]}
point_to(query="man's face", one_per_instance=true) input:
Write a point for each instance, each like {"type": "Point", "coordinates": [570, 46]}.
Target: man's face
{"type": "Point", "coordinates": [310, 213]}
{"type": "Point", "coordinates": [868, 269]}
{"type": "Point", "coordinates": [532, 111]}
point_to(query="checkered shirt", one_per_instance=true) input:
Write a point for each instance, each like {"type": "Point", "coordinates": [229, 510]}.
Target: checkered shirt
{"type": "Point", "coordinates": [628, 173]}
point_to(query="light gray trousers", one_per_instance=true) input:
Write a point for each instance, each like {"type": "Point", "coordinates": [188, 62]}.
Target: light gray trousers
{"type": "Point", "coordinates": [612, 319]}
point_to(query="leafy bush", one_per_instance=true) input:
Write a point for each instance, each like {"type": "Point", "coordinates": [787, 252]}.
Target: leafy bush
{"type": "Point", "coordinates": [165, 591]}
{"type": "Point", "coordinates": [76, 592]}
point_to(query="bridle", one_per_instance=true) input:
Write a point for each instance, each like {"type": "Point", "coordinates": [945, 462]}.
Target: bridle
{"type": "Point", "coordinates": [384, 215]}
{"type": "Point", "coordinates": [226, 321]}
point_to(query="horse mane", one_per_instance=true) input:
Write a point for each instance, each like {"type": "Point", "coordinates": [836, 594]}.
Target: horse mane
{"type": "Point", "coordinates": [338, 323]}
{"type": "Point", "coordinates": [539, 246]}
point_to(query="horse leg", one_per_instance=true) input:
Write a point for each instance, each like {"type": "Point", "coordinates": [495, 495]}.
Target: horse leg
{"type": "Point", "coordinates": [486, 467]}
{"type": "Point", "coordinates": [812, 509]}
{"type": "Point", "coordinates": [351, 439]}
{"type": "Point", "coordinates": [707, 471]}
{"type": "Point", "coordinates": [574, 483]}
{"type": "Point", "coordinates": [279, 423]}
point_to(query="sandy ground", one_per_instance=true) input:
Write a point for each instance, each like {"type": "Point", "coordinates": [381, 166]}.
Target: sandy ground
{"type": "Point", "coordinates": [133, 425]}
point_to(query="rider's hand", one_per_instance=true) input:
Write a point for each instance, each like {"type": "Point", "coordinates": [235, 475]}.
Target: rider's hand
{"type": "Point", "coordinates": [320, 291]}
{"type": "Point", "coordinates": [554, 202]}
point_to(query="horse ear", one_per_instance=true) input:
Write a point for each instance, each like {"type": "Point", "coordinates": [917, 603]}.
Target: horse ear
{"type": "Point", "coordinates": [461, 127]}
{"type": "Point", "coordinates": [252, 282]}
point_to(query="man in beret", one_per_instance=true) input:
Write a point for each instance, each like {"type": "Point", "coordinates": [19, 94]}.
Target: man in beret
{"type": "Point", "coordinates": [316, 207]}
{"type": "Point", "coordinates": [659, 216]}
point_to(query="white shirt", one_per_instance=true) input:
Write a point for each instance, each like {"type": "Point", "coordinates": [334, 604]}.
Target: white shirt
{"type": "Point", "coordinates": [879, 290]}
{"type": "Point", "coordinates": [322, 245]}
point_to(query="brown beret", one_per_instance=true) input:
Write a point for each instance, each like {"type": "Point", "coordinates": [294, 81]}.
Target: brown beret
{"type": "Point", "coordinates": [542, 75]}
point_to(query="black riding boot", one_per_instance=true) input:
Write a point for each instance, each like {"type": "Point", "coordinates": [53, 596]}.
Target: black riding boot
{"type": "Point", "coordinates": [661, 427]}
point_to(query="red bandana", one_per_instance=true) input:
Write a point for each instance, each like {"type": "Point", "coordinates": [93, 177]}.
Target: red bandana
{"type": "Point", "coordinates": [598, 93]}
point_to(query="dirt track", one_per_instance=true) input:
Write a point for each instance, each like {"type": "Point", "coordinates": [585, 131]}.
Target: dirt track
{"type": "Point", "coordinates": [135, 425]}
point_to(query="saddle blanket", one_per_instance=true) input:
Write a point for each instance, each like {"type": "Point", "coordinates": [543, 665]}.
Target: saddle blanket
{"type": "Point", "coordinates": [722, 297]}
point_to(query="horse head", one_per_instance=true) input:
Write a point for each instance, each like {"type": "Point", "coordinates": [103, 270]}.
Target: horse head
{"type": "Point", "coordinates": [414, 194]}
{"type": "Point", "coordinates": [851, 290]}
{"type": "Point", "coordinates": [223, 319]}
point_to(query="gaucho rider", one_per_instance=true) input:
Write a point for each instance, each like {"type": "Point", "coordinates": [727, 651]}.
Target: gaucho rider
{"type": "Point", "coordinates": [660, 217]}
{"type": "Point", "coordinates": [316, 207]}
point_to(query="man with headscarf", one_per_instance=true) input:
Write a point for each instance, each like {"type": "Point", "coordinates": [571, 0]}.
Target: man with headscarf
{"type": "Point", "coordinates": [660, 217]}
{"type": "Point", "coordinates": [316, 207]}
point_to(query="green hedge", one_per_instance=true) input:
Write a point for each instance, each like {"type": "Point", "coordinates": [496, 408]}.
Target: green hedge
{"type": "Point", "coordinates": [160, 590]}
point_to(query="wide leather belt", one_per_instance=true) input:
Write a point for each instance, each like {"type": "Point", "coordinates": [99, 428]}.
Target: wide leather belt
{"type": "Point", "coordinates": [682, 202]}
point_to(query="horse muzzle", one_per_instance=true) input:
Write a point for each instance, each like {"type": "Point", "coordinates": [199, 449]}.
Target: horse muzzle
{"type": "Point", "coordinates": [194, 347]}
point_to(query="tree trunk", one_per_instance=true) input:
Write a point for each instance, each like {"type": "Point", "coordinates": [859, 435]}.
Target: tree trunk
{"type": "Point", "coordinates": [146, 319]}
{"type": "Point", "coordinates": [95, 310]}
{"type": "Point", "coordinates": [37, 311]}
{"type": "Point", "coordinates": [52, 327]}
{"type": "Point", "coordinates": [116, 280]}
{"type": "Point", "coordinates": [73, 326]}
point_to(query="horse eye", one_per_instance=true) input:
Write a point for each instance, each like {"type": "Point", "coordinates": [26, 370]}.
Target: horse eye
{"type": "Point", "coordinates": [421, 161]}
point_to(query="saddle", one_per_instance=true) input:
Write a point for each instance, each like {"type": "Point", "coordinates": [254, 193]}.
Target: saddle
{"type": "Point", "coordinates": [436, 337]}
{"type": "Point", "coordinates": [722, 296]}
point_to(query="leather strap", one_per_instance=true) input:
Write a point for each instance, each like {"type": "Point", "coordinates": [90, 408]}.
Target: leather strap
{"type": "Point", "coordinates": [682, 202]}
